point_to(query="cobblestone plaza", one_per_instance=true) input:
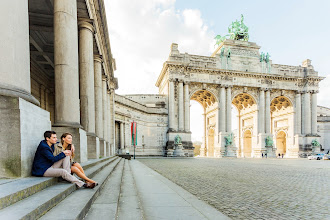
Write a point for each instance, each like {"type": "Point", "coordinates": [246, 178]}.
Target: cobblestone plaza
{"type": "Point", "coordinates": [254, 188]}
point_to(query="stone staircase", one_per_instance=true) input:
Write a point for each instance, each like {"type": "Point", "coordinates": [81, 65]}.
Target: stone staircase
{"type": "Point", "coordinates": [40, 197]}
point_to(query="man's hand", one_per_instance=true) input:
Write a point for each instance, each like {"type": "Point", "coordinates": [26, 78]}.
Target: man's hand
{"type": "Point", "coordinates": [72, 148]}
{"type": "Point", "coordinates": [67, 152]}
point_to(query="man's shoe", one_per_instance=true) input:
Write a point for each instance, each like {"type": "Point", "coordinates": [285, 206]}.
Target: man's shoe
{"type": "Point", "coordinates": [89, 185]}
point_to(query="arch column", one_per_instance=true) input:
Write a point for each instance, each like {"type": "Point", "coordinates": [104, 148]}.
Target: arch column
{"type": "Point", "coordinates": [314, 113]}
{"type": "Point", "coordinates": [186, 107]}
{"type": "Point", "coordinates": [261, 112]}
{"type": "Point", "coordinates": [86, 70]}
{"type": "Point", "coordinates": [171, 104]}
{"type": "Point", "coordinates": [181, 104]}
{"type": "Point", "coordinates": [228, 115]}
{"type": "Point", "coordinates": [298, 118]}
{"type": "Point", "coordinates": [267, 112]}
{"type": "Point", "coordinates": [222, 109]}
{"type": "Point", "coordinates": [122, 146]}
{"type": "Point", "coordinates": [67, 110]}
{"type": "Point", "coordinates": [307, 113]}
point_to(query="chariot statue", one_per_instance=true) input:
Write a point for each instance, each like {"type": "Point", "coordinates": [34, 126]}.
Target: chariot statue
{"type": "Point", "coordinates": [269, 141]}
{"type": "Point", "coordinates": [237, 31]}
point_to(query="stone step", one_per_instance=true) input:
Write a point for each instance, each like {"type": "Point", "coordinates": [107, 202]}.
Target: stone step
{"type": "Point", "coordinates": [129, 206]}
{"type": "Point", "coordinates": [39, 203]}
{"type": "Point", "coordinates": [106, 204]}
{"type": "Point", "coordinates": [77, 204]}
{"type": "Point", "coordinates": [17, 189]}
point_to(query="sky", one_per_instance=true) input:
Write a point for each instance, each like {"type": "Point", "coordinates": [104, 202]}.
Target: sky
{"type": "Point", "coordinates": [142, 31]}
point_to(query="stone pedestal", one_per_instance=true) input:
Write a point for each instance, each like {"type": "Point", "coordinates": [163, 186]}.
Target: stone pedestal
{"type": "Point", "coordinates": [230, 151]}
{"type": "Point", "coordinates": [93, 144]}
{"type": "Point", "coordinates": [22, 127]}
{"type": "Point", "coordinates": [271, 151]}
{"type": "Point", "coordinates": [79, 141]}
{"type": "Point", "coordinates": [187, 145]}
{"type": "Point", "coordinates": [178, 150]}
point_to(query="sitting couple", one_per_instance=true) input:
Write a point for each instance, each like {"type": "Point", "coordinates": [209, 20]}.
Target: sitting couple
{"type": "Point", "coordinates": [56, 161]}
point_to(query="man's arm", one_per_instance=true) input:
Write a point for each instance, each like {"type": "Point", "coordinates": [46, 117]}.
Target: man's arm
{"type": "Point", "coordinates": [47, 153]}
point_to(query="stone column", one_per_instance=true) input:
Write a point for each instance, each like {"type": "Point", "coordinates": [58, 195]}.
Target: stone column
{"type": "Point", "coordinates": [112, 121]}
{"type": "Point", "coordinates": [98, 95]}
{"type": "Point", "coordinates": [298, 113]}
{"type": "Point", "coordinates": [267, 112]}
{"type": "Point", "coordinates": [314, 113]}
{"type": "Point", "coordinates": [104, 105]}
{"type": "Point", "coordinates": [307, 113]}
{"type": "Point", "coordinates": [171, 112]}
{"type": "Point", "coordinates": [86, 70]}
{"type": "Point", "coordinates": [67, 110]}
{"type": "Point", "coordinates": [181, 117]}
{"type": "Point", "coordinates": [15, 50]}
{"type": "Point", "coordinates": [108, 121]}
{"type": "Point", "coordinates": [261, 113]}
{"type": "Point", "coordinates": [42, 97]}
{"type": "Point", "coordinates": [222, 109]}
{"type": "Point", "coordinates": [122, 146]}
{"type": "Point", "coordinates": [204, 144]}
{"type": "Point", "coordinates": [186, 107]}
{"type": "Point", "coordinates": [228, 110]}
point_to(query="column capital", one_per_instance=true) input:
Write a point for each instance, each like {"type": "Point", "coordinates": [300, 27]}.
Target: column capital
{"type": "Point", "coordinates": [171, 79]}
{"type": "Point", "coordinates": [180, 80]}
{"type": "Point", "coordinates": [314, 91]}
{"type": "Point", "coordinates": [86, 23]}
{"type": "Point", "coordinates": [98, 58]}
{"type": "Point", "coordinates": [229, 86]}
{"type": "Point", "coordinates": [262, 89]}
{"type": "Point", "coordinates": [298, 92]}
{"type": "Point", "coordinates": [186, 83]}
{"type": "Point", "coordinates": [268, 90]}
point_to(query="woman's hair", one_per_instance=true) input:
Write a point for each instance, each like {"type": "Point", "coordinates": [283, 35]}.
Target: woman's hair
{"type": "Point", "coordinates": [69, 145]}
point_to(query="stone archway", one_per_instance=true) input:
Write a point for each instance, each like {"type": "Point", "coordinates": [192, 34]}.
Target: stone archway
{"type": "Point", "coordinates": [247, 144]}
{"type": "Point", "coordinates": [210, 143]}
{"type": "Point", "coordinates": [281, 143]}
{"type": "Point", "coordinates": [247, 116]}
{"type": "Point", "coordinates": [209, 104]}
{"type": "Point", "coordinates": [282, 115]}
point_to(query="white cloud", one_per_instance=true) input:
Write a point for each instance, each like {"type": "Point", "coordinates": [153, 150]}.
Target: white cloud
{"type": "Point", "coordinates": [141, 35]}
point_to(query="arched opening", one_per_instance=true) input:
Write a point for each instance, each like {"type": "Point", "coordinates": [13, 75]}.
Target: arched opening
{"type": "Point", "coordinates": [281, 143]}
{"type": "Point", "coordinates": [247, 143]}
{"type": "Point", "coordinates": [210, 143]}
{"type": "Point", "coordinates": [282, 120]}
{"type": "Point", "coordinates": [246, 110]}
{"type": "Point", "coordinates": [205, 129]}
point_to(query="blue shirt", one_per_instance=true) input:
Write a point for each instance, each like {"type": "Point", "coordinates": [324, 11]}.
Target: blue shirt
{"type": "Point", "coordinates": [44, 158]}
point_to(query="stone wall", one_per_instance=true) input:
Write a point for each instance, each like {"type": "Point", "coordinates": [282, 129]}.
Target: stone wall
{"type": "Point", "coordinates": [152, 122]}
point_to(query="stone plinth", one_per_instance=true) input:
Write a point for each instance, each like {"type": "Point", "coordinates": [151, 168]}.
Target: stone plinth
{"type": "Point", "coordinates": [230, 151]}
{"type": "Point", "coordinates": [93, 144]}
{"type": "Point", "coordinates": [22, 127]}
{"type": "Point", "coordinates": [178, 150]}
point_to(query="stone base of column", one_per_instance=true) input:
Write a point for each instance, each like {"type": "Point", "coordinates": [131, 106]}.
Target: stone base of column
{"type": "Point", "coordinates": [12, 91]}
{"type": "Point", "coordinates": [260, 149]}
{"type": "Point", "coordinates": [102, 147]}
{"type": "Point", "coordinates": [79, 141]}
{"type": "Point", "coordinates": [203, 152]}
{"type": "Point", "coordinates": [93, 146]}
{"type": "Point", "coordinates": [22, 127]}
{"type": "Point", "coordinates": [108, 149]}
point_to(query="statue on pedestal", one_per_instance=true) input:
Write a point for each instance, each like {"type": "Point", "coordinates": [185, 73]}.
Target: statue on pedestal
{"type": "Point", "coordinates": [178, 149]}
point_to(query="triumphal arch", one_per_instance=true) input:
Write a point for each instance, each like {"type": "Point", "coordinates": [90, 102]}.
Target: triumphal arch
{"type": "Point", "coordinates": [276, 104]}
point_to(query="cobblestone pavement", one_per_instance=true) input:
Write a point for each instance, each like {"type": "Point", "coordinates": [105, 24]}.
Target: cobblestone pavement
{"type": "Point", "coordinates": [254, 188]}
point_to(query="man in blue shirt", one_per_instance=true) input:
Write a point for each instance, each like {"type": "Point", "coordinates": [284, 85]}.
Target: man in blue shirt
{"type": "Point", "coordinates": [46, 164]}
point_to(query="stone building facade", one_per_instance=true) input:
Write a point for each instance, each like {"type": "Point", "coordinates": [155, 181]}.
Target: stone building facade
{"type": "Point", "coordinates": [56, 72]}
{"type": "Point", "coordinates": [276, 105]}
